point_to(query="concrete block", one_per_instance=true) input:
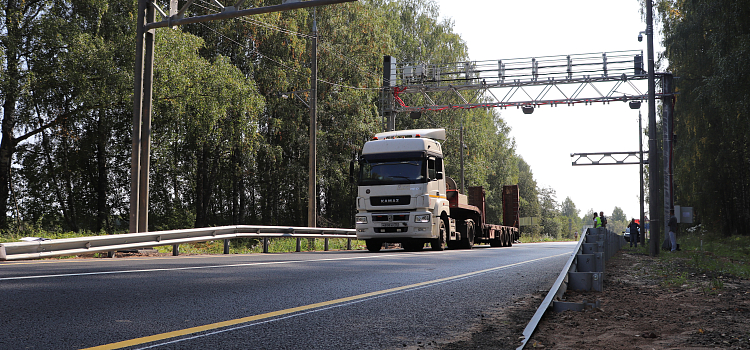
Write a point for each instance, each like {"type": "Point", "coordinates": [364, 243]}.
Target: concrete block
{"type": "Point", "coordinates": [585, 281]}
{"type": "Point", "coordinates": [589, 248]}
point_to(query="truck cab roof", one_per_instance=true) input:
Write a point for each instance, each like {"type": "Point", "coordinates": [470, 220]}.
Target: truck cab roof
{"type": "Point", "coordinates": [419, 140]}
{"type": "Point", "coordinates": [435, 134]}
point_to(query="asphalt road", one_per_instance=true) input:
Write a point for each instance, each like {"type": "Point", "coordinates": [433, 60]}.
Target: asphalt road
{"type": "Point", "coordinates": [323, 300]}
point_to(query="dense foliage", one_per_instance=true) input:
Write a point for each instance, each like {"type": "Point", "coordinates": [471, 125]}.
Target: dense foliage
{"type": "Point", "coordinates": [708, 47]}
{"type": "Point", "coordinates": [229, 139]}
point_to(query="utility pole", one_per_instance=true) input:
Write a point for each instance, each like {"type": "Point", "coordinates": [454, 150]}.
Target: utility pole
{"type": "Point", "coordinates": [312, 197]}
{"type": "Point", "coordinates": [142, 96]}
{"type": "Point", "coordinates": [653, 157]}
{"type": "Point", "coordinates": [386, 96]}
{"type": "Point", "coordinates": [668, 147]}
{"type": "Point", "coordinates": [642, 236]}
{"type": "Point", "coordinates": [463, 184]}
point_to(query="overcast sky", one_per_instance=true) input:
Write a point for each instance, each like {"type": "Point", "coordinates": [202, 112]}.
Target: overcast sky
{"type": "Point", "coordinates": [545, 139]}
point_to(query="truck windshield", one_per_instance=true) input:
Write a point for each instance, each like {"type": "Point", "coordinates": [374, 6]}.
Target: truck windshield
{"type": "Point", "coordinates": [389, 172]}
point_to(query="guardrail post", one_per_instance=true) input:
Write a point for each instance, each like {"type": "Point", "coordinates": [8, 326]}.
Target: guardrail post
{"type": "Point", "coordinates": [226, 246]}
{"type": "Point", "coordinates": [265, 244]}
{"type": "Point", "coordinates": [299, 244]}
{"type": "Point", "coordinates": [111, 254]}
{"type": "Point", "coordinates": [175, 249]}
{"type": "Point", "coordinates": [325, 244]}
{"type": "Point", "coordinates": [348, 244]}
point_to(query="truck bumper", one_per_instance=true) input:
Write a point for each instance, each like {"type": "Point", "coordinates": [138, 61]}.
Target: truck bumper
{"type": "Point", "coordinates": [395, 225]}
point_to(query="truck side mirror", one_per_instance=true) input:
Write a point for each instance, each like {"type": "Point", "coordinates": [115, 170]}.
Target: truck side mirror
{"type": "Point", "coordinates": [439, 176]}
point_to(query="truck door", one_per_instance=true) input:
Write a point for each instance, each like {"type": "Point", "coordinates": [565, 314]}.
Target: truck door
{"type": "Point", "coordinates": [436, 182]}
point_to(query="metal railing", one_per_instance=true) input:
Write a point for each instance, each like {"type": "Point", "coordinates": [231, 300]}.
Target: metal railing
{"type": "Point", "coordinates": [129, 241]}
{"type": "Point", "coordinates": [583, 271]}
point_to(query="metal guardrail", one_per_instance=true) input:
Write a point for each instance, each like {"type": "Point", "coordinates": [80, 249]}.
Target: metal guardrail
{"type": "Point", "coordinates": [583, 271]}
{"type": "Point", "coordinates": [127, 241]}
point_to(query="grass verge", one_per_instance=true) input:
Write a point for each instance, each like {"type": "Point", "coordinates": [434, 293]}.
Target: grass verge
{"type": "Point", "coordinates": [716, 258]}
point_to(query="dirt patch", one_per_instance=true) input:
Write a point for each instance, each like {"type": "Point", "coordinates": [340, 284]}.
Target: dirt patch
{"type": "Point", "coordinates": [647, 303]}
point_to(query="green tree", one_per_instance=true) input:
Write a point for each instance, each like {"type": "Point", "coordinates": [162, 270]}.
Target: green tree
{"type": "Point", "coordinates": [227, 147]}
{"type": "Point", "coordinates": [550, 211]}
{"type": "Point", "coordinates": [568, 208]}
{"type": "Point", "coordinates": [71, 111]}
{"type": "Point", "coordinates": [618, 214]}
{"type": "Point", "coordinates": [617, 221]}
{"type": "Point", "coordinates": [213, 109]}
{"type": "Point", "coordinates": [570, 222]}
{"type": "Point", "coordinates": [706, 46]}
{"type": "Point", "coordinates": [528, 191]}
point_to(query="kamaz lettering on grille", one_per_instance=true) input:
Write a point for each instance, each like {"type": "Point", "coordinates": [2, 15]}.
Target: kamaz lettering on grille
{"type": "Point", "coordinates": [397, 200]}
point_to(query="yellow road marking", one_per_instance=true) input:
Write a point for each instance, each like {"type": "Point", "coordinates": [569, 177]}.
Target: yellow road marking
{"type": "Point", "coordinates": [212, 326]}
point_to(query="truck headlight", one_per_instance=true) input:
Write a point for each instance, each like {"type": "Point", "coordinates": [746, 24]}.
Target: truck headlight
{"type": "Point", "coordinates": [422, 218]}
{"type": "Point", "coordinates": [361, 219]}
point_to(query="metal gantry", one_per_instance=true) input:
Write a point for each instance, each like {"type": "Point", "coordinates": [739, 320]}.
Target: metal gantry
{"type": "Point", "coordinates": [528, 83]}
{"type": "Point", "coordinates": [521, 82]}
{"type": "Point", "coordinates": [607, 158]}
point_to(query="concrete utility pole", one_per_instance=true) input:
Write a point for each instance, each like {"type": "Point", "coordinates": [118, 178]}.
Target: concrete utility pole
{"type": "Point", "coordinates": [653, 157]}
{"type": "Point", "coordinates": [312, 194]}
{"type": "Point", "coordinates": [642, 236]}
{"type": "Point", "coordinates": [668, 147]}
{"type": "Point", "coordinates": [463, 183]}
{"type": "Point", "coordinates": [142, 92]}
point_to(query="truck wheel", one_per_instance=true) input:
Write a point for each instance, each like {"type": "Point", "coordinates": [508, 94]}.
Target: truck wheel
{"type": "Point", "coordinates": [373, 245]}
{"type": "Point", "coordinates": [440, 243]}
{"type": "Point", "coordinates": [468, 241]}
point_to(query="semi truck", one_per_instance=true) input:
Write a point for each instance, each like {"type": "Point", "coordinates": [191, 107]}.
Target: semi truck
{"type": "Point", "coordinates": [404, 196]}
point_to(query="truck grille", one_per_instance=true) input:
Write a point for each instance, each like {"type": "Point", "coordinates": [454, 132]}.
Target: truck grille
{"type": "Point", "coordinates": [390, 217]}
{"type": "Point", "coordinates": [391, 229]}
{"type": "Point", "coordinates": [390, 200]}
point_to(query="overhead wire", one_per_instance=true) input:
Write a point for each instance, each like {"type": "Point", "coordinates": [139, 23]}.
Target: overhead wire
{"type": "Point", "coordinates": [213, 7]}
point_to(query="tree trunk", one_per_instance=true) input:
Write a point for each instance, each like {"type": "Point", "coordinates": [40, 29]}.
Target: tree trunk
{"type": "Point", "coordinates": [70, 196]}
{"type": "Point", "coordinates": [11, 88]}
{"type": "Point", "coordinates": [52, 175]}
{"type": "Point", "coordinates": [200, 182]}
{"type": "Point", "coordinates": [101, 183]}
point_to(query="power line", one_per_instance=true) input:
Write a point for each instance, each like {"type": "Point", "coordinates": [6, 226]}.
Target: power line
{"type": "Point", "coordinates": [255, 51]}
{"type": "Point", "coordinates": [346, 59]}
{"type": "Point", "coordinates": [214, 7]}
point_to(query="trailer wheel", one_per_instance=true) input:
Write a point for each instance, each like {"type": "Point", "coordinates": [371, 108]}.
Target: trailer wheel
{"type": "Point", "coordinates": [497, 241]}
{"type": "Point", "coordinates": [468, 241]}
{"type": "Point", "coordinates": [440, 243]}
{"type": "Point", "coordinates": [373, 245]}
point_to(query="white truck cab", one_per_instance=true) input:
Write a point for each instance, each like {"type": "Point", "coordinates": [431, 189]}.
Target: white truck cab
{"type": "Point", "coordinates": [401, 194]}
